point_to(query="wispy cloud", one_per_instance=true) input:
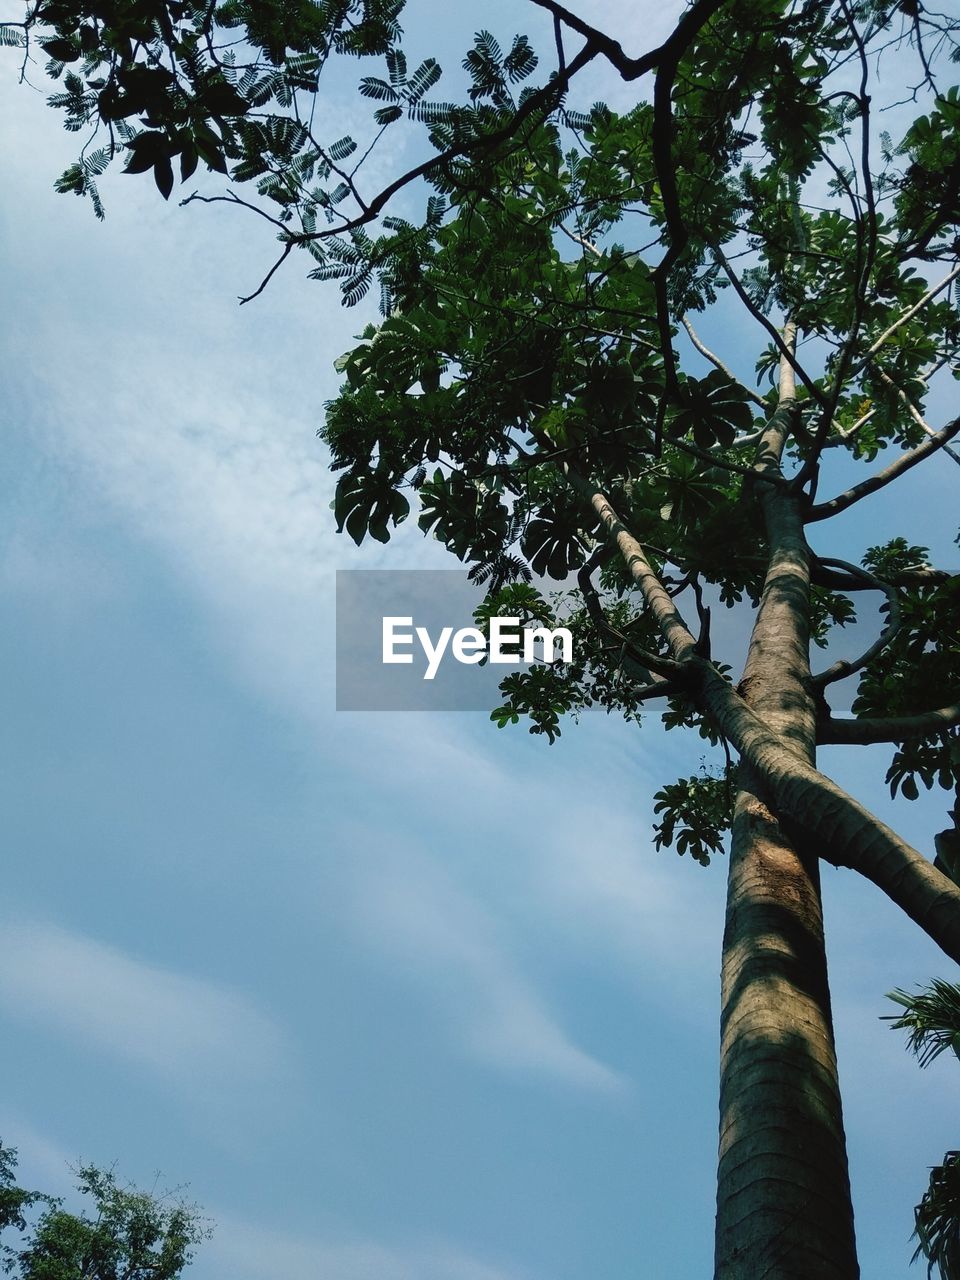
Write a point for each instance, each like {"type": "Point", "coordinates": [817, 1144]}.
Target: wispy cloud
{"type": "Point", "coordinates": [443, 939]}
{"type": "Point", "coordinates": [241, 1249]}
{"type": "Point", "coordinates": [184, 1029]}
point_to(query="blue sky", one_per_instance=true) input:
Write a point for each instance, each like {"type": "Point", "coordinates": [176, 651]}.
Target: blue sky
{"type": "Point", "coordinates": [401, 997]}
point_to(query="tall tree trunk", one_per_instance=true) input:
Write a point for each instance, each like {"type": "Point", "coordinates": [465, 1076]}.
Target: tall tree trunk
{"type": "Point", "coordinates": [783, 1201]}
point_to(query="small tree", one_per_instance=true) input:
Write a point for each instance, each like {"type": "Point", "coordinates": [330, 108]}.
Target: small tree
{"type": "Point", "coordinates": [127, 1235]}
{"type": "Point", "coordinates": [539, 387]}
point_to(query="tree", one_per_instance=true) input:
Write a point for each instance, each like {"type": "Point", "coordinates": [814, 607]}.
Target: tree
{"type": "Point", "coordinates": [536, 385]}
{"type": "Point", "coordinates": [130, 1234]}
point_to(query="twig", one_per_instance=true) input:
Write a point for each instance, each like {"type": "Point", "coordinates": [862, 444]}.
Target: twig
{"type": "Point", "coordinates": [270, 274]}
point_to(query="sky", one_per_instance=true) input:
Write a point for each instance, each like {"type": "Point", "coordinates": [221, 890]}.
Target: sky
{"type": "Point", "coordinates": [398, 996]}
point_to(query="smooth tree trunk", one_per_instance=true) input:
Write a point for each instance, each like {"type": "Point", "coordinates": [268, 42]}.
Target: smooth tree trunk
{"type": "Point", "coordinates": [783, 1201]}
{"type": "Point", "coordinates": [783, 1197]}
{"type": "Point", "coordinates": [784, 1210]}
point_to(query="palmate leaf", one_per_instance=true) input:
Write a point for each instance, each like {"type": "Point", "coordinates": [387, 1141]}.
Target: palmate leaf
{"type": "Point", "coordinates": [551, 541]}
{"type": "Point", "coordinates": [367, 502]}
{"type": "Point", "coordinates": [713, 409]}
{"type": "Point", "coordinates": [696, 814]}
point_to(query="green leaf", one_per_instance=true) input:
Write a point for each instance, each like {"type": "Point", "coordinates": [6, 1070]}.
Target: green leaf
{"type": "Point", "coordinates": [61, 50]}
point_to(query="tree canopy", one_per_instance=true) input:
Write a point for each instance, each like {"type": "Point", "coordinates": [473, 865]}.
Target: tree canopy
{"type": "Point", "coordinates": [127, 1234]}
{"type": "Point", "coordinates": [538, 389]}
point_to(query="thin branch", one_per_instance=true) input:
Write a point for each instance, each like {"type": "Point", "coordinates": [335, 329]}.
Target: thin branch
{"type": "Point", "coordinates": [230, 198]}
{"type": "Point", "coordinates": [703, 613]}
{"type": "Point", "coordinates": [907, 315]}
{"type": "Point", "coordinates": [915, 413]}
{"type": "Point", "coordinates": [584, 244]}
{"type": "Point", "coordinates": [842, 667]}
{"type": "Point", "coordinates": [543, 99]}
{"type": "Point", "coordinates": [726, 464]}
{"type": "Point", "coordinates": [844, 436]}
{"type": "Point", "coordinates": [611, 49]}
{"type": "Point", "coordinates": [824, 510]}
{"type": "Point", "coordinates": [270, 274]}
{"type": "Point", "coordinates": [697, 16]}
{"type": "Point", "coordinates": [917, 577]}
{"type": "Point", "coordinates": [815, 392]}
{"type": "Point", "coordinates": [724, 369]}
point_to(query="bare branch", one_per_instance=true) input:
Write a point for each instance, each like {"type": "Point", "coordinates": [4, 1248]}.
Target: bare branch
{"type": "Point", "coordinates": [843, 668]}
{"type": "Point", "coordinates": [270, 274]}
{"type": "Point", "coordinates": [915, 413]}
{"type": "Point", "coordinates": [815, 392]}
{"type": "Point", "coordinates": [921, 576]}
{"type": "Point", "coordinates": [680, 639]}
{"type": "Point", "coordinates": [231, 198]}
{"type": "Point", "coordinates": [584, 244]}
{"type": "Point", "coordinates": [724, 369]}
{"type": "Point", "coordinates": [824, 510]}
{"type": "Point", "coordinates": [888, 728]}
{"type": "Point", "coordinates": [907, 315]}
{"type": "Point", "coordinates": [611, 49]}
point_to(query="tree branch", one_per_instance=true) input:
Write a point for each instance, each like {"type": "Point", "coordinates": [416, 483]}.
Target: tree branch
{"type": "Point", "coordinates": [724, 369]}
{"type": "Point", "coordinates": [824, 510]}
{"type": "Point", "coordinates": [831, 822]}
{"type": "Point", "coordinates": [815, 393]}
{"type": "Point", "coordinates": [915, 413]}
{"type": "Point", "coordinates": [907, 315]}
{"type": "Point", "coordinates": [842, 668]}
{"type": "Point", "coordinates": [675, 631]}
{"type": "Point", "coordinates": [919, 577]}
{"type": "Point", "coordinates": [660, 668]}
{"type": "Point", "coordinates": [888, 728]}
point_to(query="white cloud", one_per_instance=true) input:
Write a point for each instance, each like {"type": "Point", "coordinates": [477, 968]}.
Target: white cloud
{"type": "Point", "coordinates": [186, 1030]}
{"type": "Point", "coordinates": [444, 940]}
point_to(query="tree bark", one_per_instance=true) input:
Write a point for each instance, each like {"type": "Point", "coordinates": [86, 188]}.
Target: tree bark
{"type": "Point", "coordinates": [783, 1196]}
{"type": "Point", "coordinates": [783, 1192]}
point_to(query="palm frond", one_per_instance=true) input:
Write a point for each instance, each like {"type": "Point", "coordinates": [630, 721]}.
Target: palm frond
{"type": "Point", "coordinates": [932, 1018]}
